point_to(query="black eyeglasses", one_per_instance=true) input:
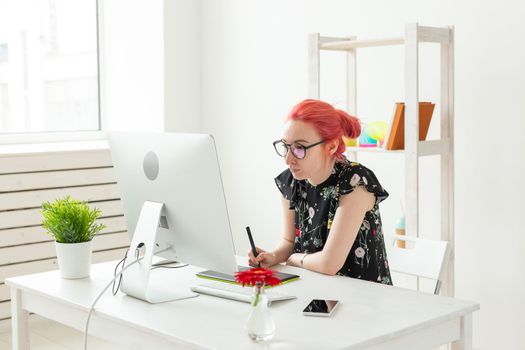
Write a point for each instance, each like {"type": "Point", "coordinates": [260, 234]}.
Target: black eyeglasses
{"type": "Point", "coordinates": [298, 150]}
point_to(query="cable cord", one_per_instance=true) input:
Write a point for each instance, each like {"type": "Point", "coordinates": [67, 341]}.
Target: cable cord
{"type": "Point", "coordinates": [162, 264]}
{"type": "Point", "coordinates": [92, 308]}
{"type": "Point", "coordinates": [117, 275]}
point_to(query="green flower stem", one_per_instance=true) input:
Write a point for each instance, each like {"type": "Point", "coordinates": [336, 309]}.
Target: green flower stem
{"type": "Point", "coordinates": [256, 299]}
{"type": "Point", "coordinates": [258, 287]}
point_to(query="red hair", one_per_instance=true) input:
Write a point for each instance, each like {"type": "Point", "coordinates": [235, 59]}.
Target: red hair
{"type": "Point", "coordinates": [329, 122]}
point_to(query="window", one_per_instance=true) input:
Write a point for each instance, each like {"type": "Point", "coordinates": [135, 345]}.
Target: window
{"type": "Point", "coordinates": [48, 66]}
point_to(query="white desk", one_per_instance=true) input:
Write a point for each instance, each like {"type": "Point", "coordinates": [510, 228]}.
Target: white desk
{"type": "Point", "coordinates": [371, 316]}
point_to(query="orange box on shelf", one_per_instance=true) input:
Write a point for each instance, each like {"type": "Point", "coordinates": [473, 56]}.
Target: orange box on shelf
{"type": "Point", "coordinates": [396, 133]}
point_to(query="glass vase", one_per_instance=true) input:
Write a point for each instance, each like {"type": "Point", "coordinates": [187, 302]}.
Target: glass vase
{"type": "Point", "coordinates": [260, 325]}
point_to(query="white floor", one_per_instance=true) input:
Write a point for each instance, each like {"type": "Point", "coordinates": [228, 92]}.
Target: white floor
{"type": "Point", "coordinates": [49, 335]}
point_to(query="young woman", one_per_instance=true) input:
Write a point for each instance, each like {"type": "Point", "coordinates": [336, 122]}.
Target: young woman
{"type": "Point", "coordinates": [332, 223]}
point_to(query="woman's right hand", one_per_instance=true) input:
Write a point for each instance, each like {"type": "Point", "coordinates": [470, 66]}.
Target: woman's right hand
{"type": "Point", "coordinates": [264, 258]}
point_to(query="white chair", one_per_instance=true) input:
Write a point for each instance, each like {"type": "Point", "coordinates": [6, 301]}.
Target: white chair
{"type": "Point", "coordinates": [420, 257]}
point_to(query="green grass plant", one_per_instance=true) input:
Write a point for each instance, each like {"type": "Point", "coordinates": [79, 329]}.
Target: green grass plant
{"type": "Point", "coordinates": [69, 220]}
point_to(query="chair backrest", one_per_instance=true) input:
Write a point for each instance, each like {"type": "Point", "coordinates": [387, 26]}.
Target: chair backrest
{"type": "Point", "coordinates": [420, 257]}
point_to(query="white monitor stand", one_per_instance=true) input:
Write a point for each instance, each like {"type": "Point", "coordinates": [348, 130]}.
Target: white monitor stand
{"type": "Point", "coordinates": [135, 280]}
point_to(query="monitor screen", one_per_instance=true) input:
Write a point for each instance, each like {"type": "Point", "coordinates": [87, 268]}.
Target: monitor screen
{"type": "Point", "coordinates": [182, 172]}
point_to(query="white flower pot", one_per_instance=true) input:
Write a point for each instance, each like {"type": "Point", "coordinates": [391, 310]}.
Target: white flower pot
{"type": "Point", "coordinates": [74, 259]}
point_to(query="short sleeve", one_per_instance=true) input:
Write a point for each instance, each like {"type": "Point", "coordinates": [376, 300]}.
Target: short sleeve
{"type": "Point", "coordinates": [355, 175]}
{"type": "Point", "coordinates": [287, 185]}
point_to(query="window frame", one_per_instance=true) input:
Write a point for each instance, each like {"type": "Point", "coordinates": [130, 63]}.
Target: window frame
{"type": "Point", "coordinates": [69, 136]}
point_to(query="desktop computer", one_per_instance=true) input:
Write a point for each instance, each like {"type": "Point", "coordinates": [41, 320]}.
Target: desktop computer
{"type": "Point", "coordinates": [174, 204]}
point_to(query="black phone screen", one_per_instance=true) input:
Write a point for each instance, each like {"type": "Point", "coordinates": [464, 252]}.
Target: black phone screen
{"type": "Point", "coordinates": [321, 306]}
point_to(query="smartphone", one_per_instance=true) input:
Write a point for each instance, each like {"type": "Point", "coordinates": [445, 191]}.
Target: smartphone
{"type": "Point", "coordinates": [320, 307]}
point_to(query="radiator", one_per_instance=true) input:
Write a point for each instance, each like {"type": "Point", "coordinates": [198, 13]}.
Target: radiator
{"type": "Point", "coordinates": [27, 180]}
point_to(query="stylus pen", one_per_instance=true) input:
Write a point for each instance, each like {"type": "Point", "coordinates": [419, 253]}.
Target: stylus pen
{"type": "Point", "coordinates": [254, 250]}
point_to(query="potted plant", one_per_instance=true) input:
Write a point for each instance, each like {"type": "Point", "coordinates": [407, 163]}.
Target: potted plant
{"type": "Point", "coordinates": [72, 223]}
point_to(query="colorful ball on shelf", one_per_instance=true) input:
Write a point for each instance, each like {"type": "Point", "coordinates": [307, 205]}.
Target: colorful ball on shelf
{"type": "Point", "coordinates": [373, 134]}
{"type": "Point", "coordinates": [365, 140]}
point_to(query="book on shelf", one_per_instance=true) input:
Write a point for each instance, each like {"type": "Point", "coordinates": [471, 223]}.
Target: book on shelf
{"type": "Point", "coordinates": [395, 135]}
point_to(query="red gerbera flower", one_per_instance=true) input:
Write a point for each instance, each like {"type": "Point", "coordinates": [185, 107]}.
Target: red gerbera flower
{"type": "Point", "coordinates": [257, 274]}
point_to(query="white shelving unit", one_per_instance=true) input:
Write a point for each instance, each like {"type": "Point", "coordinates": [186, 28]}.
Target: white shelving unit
{"type": "Point", "coordinates": [414, 149]}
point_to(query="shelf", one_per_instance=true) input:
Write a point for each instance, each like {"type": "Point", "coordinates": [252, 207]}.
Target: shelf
{"type": "Point", "coordinates": [433, 147]}
{"type": "Point", "coordinates": [425, 34]}
{"type": "Point", "coordinates": [425, 148]}
{"type": "Point", "coordinates": [414, 35]}
{"type": "Point", "coordinates": [374, 150]}
{"type": "Point", "coordinates": [344, 45]}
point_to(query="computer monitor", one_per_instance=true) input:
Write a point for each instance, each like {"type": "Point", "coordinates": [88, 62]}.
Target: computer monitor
{"type": "Point", "coordinates": [174, 203]}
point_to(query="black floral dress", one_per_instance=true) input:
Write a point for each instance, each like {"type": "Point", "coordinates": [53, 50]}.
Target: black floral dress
{"type": "Point", "coordinates": [315, 208]}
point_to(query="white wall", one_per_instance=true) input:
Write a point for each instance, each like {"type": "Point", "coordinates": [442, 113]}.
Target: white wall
{"type": "Point", "coordinates": [241, 64]}
{"type": "Point", "coordinates": [182, 65]}
{"type": "Point", "coordinates": [254, 70]}
{"type": "Point", "coordinates": [150, 65]}
{"type": "Point", "coordinates": [132, 65]}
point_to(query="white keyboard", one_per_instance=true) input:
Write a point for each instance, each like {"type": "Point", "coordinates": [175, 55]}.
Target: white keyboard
{"type": "Point", "coordinates": [235, 292]}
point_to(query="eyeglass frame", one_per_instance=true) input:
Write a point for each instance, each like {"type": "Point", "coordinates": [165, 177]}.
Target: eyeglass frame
{"type": "Point", "coordinates": [289, 148]}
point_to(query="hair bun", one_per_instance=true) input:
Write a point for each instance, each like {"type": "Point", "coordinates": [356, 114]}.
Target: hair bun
{"type": "Point", "coordinates": [329, 122]}
{"type": "Point", "coordinates": [350, 124]}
